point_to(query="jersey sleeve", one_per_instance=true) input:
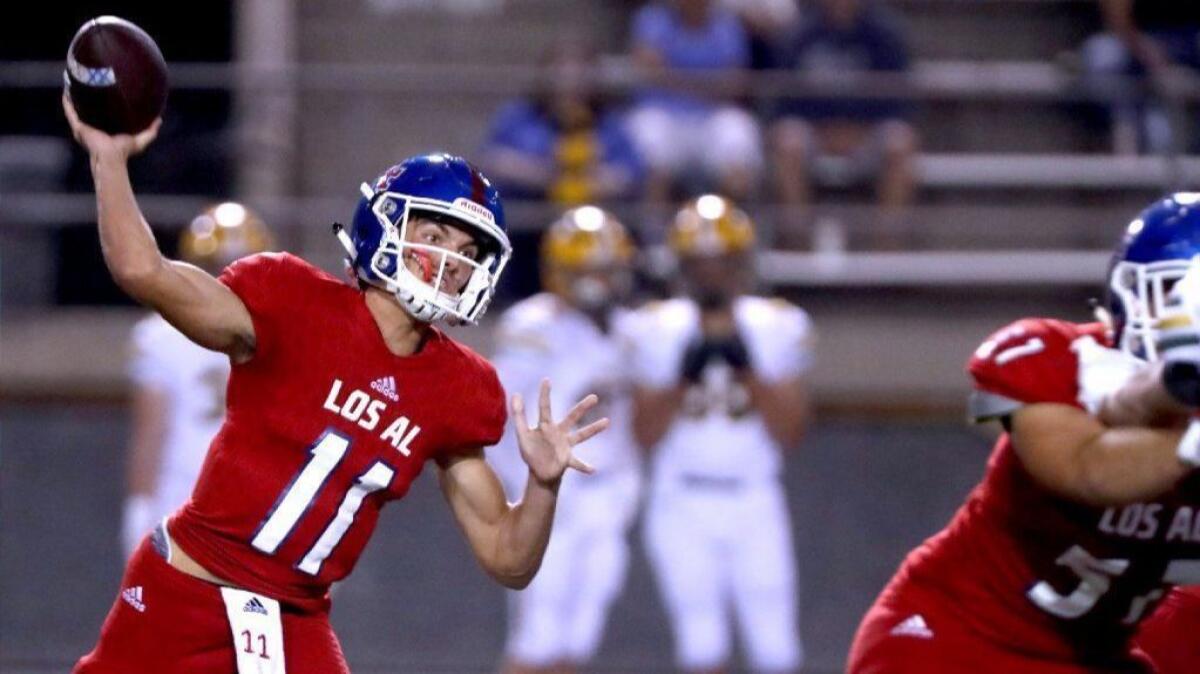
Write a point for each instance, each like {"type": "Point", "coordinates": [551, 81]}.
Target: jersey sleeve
{"type": "Point", "coordinates": [493, 409]}
{"type": "Point", "coordinates": [148, 364]}
{"type": "Point", "coordinates": [522, 358]}
{"type": "Point", "coordinates": [480, 404]}
{"type": "Point", "coordinates": [1030, 361]}
{"type": "Point", "coordinates": [653, 350]}
{"type": "Point", "coordinates": [787, 350]}
{"type": "Point", "coordinates": [523, 350]}
{"type": "Point", "coordinates": [267, 283]}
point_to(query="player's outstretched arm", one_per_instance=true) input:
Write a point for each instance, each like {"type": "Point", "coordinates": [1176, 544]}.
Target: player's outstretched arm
{"type": "Point", "coordinates": [1075, 455]}
{"type": "Point", "coordinates": [510, 540]}
{"type": "Point", "coordinates": [201, 307]}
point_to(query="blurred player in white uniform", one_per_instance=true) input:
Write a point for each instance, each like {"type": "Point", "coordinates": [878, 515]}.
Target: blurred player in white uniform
{"type": "Point", "coordinates": [568, 334]}
{"type": "Point", "coordinates": [179, 387]}
{"type": "Point", "coordinates": [719, 394]}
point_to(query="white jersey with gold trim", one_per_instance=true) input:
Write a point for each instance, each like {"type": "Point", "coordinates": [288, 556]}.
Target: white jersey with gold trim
{"type": "Point", "coordinates": [541, 337]}
{"type": "Point", "coordinates": [717, 434]}
{"type": "Point", "coordinates": [193, 379]}
{"type": "Point", "coordinates": [717, 530]}
{"type": "Point", "coordinates": [561, 616]}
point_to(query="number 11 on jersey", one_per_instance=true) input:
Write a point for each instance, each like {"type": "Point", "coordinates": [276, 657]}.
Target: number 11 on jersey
{"type": "Point", "coordinates": [303, 490]}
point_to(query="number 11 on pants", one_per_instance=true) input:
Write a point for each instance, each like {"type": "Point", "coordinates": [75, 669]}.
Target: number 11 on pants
{"type": "Point", "coordinates": [256, 628]}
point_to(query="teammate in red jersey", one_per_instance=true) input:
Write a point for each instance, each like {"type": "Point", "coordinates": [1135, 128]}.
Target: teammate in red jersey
{"type": "Point", "coordinates": [337, 398]}
{"type": "Point", "coordinates": [1168, 637]}
{"type": "Point", "coordinates": [1086, 515]}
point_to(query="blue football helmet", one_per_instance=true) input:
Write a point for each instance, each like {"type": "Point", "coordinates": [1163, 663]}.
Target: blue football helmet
{"type": "Point", "coordinates": [1154, 254]}
{"type": "Point", "coordinates": [439, 186]}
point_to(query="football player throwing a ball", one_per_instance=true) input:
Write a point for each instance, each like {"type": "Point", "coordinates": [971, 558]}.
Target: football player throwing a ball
{"type": "Point", "coordinates": [338, 396]}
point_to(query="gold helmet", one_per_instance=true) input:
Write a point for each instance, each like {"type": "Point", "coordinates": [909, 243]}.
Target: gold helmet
{"type": "Point", "coordinates": [582, 239]}
{"type": "Point", "coordinates": [710, 225]}
{"type": "Point", "coordinates": [222, 234]}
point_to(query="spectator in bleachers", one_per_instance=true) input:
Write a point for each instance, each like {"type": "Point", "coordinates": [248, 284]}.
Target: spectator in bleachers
{"type": "Point", "coordinates": [844, 141]}
{"type": "Point", "coordinates": [685, 135]}
{"type": "Point", "coordinates": [766, 22]}
{"type": "Point", "coordinates": [1143, 38]}
{"type": "Point", "coordinates": [561, 143]}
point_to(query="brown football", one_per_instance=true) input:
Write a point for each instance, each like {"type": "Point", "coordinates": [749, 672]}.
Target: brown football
{"type": "Point", "coordinates": [116, 76]}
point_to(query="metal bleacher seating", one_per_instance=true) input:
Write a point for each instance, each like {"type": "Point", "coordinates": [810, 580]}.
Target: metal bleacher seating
{"type": "Point", "coordinates": [998, 113]}
{"type": "Point", "coordinates": [1015, 191]}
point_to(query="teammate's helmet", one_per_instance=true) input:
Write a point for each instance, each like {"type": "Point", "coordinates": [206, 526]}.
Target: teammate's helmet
{"type": "Point", "coordinates": [1155, 252]}
{"type": "Point", "coordinates": [440, 186]}
{"type": "Point", "coordinates": [585, 239]}
{"type": "Point", "coordinates": [708, 226]}
{"type": "Point", "coordinates": [222, 234]}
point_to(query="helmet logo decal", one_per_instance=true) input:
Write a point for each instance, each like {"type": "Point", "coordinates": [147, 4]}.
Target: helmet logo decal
{"type": "Point", "coordinates": [387, 177]}
{"type": "Point", "coordinates": [477, 187]}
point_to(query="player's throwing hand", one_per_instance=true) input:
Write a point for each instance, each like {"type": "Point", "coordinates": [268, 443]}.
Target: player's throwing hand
{"type": "Point", "coordinates": [546, 447]}
{"type": "Point", "coordinates": [120, 146]}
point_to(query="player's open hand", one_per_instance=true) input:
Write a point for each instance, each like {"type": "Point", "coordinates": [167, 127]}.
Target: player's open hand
{"type": "Point", "coordinates": [546, 447]}
{"type": "Point", "coordinates": [100, 144]}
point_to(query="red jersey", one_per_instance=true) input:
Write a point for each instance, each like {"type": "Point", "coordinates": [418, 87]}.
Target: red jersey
{"type": "Point", "coordinates": [1169, 636]}
{"type": "Point", "coordinates": [324, 425]}
{"type": "Point", "coordinates": [1031, 571]}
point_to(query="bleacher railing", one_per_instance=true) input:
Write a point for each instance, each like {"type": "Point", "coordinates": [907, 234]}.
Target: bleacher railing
{"type": "Point", "coordinates": [1034, 82]}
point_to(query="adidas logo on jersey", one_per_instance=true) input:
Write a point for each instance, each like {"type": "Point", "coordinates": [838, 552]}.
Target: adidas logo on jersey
{"type": "Point", "coordinates": [387, 387]}
{"type": "Point", "coordinates": [254, 606]}
{"type": "Point", "coordinates": [913, 626]}
{"type": "Point", "coordinates": [133, 597]}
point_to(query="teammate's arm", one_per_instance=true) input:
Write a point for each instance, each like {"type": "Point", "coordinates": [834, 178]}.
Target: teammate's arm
{"type": "Point", "coordinates": [1144, 401]}
{"type": "Point", "coordinates": [1076, 456]}
{"type": "Point", "coordinates": [510, 540]}
{"type": "Point", "coordinates": [201, 307]}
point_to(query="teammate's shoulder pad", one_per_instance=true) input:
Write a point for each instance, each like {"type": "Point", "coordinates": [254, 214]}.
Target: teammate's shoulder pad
{"type": "Point", "coordinates": [1029, 337]}
{"type": "Point", "coordinates": [1028, 361]}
